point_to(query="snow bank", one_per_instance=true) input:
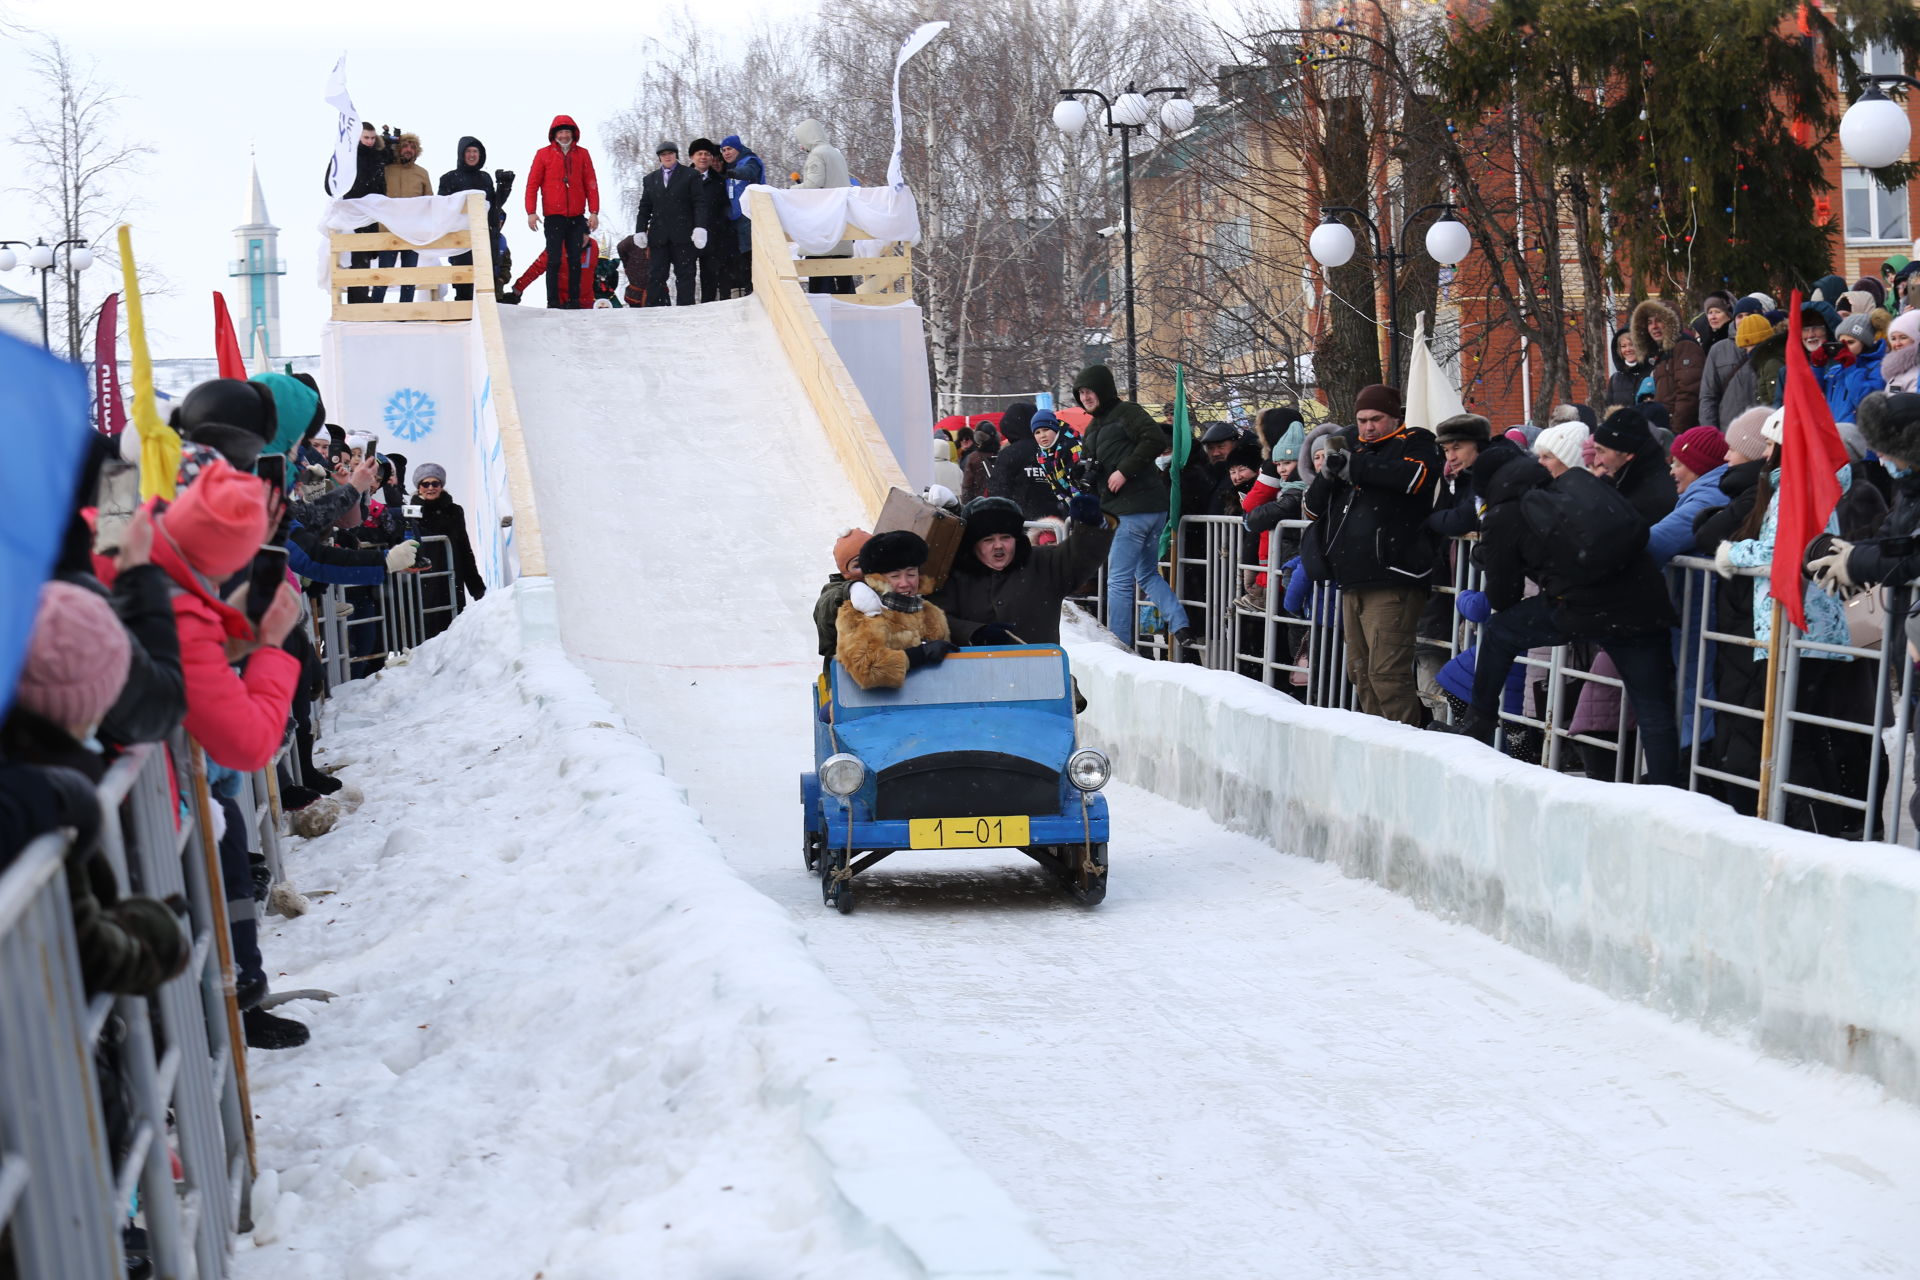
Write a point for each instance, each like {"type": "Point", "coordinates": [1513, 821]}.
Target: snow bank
{"type": "Point", "coordinates": [1807, 945]}
{"type": "Point", "coordinates": [569, 1041]}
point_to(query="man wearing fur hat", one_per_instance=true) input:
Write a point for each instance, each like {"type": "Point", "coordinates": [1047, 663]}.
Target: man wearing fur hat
{"type": "Point", "coordinates": [1677, 359]}
{"type": "Point", "coordinates": [405, 180]}
{"type": "Point", "coordinates": [1003, 590]}
{"type": "Point", "coordinates": [1371, 504]}
{"type": "Point", "coordinates": [885, 629]}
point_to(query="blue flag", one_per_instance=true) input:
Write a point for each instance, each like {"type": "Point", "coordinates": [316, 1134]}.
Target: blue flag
{"type": "Point", "coordinates": [45, 418]}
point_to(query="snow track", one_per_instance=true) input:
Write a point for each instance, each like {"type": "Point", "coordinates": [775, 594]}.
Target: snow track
{"type": "Point", "coordinates": [1242, 1065]}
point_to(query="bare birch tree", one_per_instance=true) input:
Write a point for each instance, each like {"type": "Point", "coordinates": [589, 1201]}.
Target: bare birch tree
{"type": "Point", "coordinates": [78, 162]}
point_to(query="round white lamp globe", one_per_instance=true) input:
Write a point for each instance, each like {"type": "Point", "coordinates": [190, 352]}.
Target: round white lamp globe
{"type": "Point", "coordinates": [1875, 131]}
{"type": "Point", "coordinates": [1069, 115]}
{"type": "Point", "coordinates": [1177, 115]}
{"type": "Point", "coordinates": [1131, 109]}
{"type": "Point", "coordinates": [1448, 241]}
{"type": "Point", "coordinates": [1331, 244]}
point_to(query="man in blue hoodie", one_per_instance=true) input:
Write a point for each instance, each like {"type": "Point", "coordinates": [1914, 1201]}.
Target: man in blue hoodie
{"type": "Point", "coordinates": [743, 170]}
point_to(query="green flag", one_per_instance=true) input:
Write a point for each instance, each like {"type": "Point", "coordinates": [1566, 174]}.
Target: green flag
{"type": "Point", "coordinates": [1182, 449]}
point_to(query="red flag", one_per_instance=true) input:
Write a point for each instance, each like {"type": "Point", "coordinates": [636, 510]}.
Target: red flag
{"type": "Point", "coordinates": [1811, 452]}
{"type": "Point", "coordinates": [225, 345]}
{"type": "Point", "coordinates": [109, 413]}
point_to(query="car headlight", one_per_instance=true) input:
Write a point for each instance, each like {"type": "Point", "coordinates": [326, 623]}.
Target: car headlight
{"type": "Point", "coordinates": [1088, 770]}
{"type": "Point", "coordinates": [842, 774]}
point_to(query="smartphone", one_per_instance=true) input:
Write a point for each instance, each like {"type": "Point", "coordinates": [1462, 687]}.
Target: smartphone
{"type": "Point", "coordinates": [264, 580]}
{"type": "Point", "coordinates": [1335, 443]}
{"type": "Point", "coordinates": [272, 467]}
{"type": "Point", "coordinates": [116, 496]}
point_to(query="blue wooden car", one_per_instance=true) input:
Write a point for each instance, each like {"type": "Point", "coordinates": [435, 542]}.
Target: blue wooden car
{"type": "Point", "coordinates": [976, 753]}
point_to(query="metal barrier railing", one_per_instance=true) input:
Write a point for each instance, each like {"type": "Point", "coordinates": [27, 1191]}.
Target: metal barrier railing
{"type": "Point", "coordinates": [360, 626]}
{"type": "Point", "coordinates": [1217, 573]}
{"type": "Point", "coordinates": [69, 1180]}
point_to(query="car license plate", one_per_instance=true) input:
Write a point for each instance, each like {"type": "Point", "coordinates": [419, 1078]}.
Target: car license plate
{"type": "Point", "coordinates": [967, 833]}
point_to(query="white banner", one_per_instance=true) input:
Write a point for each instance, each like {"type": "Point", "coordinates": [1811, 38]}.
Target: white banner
{"type": "Point", "coordinates": [922, 37]}
{"type": "Point", "coordinates": [347, 136]}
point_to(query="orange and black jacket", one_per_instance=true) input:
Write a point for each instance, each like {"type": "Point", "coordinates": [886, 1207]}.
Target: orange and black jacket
{"type": "Point", "coordinates": [1372, 519]}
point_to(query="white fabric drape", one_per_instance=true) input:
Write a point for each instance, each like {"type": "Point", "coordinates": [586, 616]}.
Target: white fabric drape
{"type": "Point", "coordinates": [815, 218]}
{"type": "Point", "coordinates": [1431, 398]}
{"type": "Point", "coordinates": [415, 219]}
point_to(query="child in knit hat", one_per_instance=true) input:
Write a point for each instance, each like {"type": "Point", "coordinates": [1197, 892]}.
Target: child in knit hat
{"type": "Point", "coordinates": [76, 663]}
{"type": "Point", "coordinates": [846, 563]}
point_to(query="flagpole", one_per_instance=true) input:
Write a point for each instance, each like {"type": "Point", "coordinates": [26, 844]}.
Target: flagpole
{"type": "Point", "coordinates": [1770, 707]}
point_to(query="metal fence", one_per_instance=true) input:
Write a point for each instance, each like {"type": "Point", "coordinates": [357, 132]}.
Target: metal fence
{"type": "Point", "coordinates": [1235, 602]}
{"type": "Point", "coordinates": [358, 628]}
{"type": "Point", "coordinates": [101, 1098]}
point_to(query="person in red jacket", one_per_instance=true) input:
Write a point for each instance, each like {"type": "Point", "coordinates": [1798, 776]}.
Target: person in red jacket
{"type": "Point", "coordinates": [574, 287]}
{"type": "Point", "coordinates": [562, 177]}
{"type": "Point", "coordinates": [208, 535]}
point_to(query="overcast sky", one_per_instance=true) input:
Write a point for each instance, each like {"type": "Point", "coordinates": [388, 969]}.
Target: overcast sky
{"type": "Point", "coordinates": [209, 80]}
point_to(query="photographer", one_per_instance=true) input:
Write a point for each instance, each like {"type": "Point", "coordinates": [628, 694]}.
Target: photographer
{"type": "Point", "coordinates": [369, 179]}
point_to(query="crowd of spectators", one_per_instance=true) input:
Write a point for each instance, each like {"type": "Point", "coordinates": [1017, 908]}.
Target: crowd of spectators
{"type": "Point", "coordinates": [1571, 530]}
{"type": "Point", "coordinates": [193, 612]}
{"type": "Point", "coordinates": [692, 240]}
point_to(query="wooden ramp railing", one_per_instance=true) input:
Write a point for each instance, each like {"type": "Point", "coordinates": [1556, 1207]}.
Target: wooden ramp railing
{"type": "Point", "coordinates": [427, 278]}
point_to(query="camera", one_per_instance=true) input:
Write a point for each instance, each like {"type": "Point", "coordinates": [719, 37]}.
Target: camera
{"type": "Point", "coordinates": [411, 511]}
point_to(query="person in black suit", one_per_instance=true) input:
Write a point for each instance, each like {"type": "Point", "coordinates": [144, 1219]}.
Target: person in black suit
{"type": "Point", "coordinates": [713, 238]}
{"type": "Point", "coordinates": [668, 227]}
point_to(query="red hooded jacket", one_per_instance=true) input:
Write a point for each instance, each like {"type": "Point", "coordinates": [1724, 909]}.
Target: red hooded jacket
{"type": "Point", "coordinates": [564, 181]}
{"type": "Point", "coordinates": [239, 719]}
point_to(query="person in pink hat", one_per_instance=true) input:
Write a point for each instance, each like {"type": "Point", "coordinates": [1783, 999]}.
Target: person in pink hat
{"type": "Point", "coordinates": [77, 660]}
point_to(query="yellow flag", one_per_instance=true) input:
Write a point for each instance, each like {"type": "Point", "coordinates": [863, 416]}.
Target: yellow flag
{"type": "Point", "coordinates": [159, 445]}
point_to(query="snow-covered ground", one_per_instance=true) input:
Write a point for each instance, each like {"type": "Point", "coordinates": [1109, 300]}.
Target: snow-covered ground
{"type": "Point", "coordinates": [569, 1042]}
{"type": "Point", "coordinates": [1242, 1064]}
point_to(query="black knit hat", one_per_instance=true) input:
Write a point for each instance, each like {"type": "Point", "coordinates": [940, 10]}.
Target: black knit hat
{"type": "Point", "coordinates": [1625, 431]}
{"type": "Point", "coordinates": [894, 549]}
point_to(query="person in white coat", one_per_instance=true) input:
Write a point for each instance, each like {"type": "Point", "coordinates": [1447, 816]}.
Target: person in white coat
{"type": "Point", "coordinates": [825, 167]}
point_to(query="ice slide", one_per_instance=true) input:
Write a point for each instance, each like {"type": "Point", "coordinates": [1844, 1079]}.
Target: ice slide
{"type": "Point", "coordinates": [1243, 1064]}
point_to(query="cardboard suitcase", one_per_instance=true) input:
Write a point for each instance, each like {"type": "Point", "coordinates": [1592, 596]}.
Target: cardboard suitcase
{"type": "Point", "coordinates": [941, 529]}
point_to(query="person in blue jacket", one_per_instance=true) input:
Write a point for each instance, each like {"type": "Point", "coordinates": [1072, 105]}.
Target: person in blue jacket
{"type": "Point", "coordinates": [1848, 385]}
{"type": "Point", "coordinates": [743, 170]}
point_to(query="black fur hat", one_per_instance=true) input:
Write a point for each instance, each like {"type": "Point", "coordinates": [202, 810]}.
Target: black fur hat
{"type": "Point", "coordinates": [894, 549]}
{"type": "Point", "coordinates": [1890, 420]}
{"type": "Point", "coordinates": [237, 403]}
{"type": "Point", "coordinates": [985, 518]}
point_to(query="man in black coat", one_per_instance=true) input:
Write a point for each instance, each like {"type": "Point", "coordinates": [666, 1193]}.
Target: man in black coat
{"type": "Point", "coordinates": [469, 174]}
{"type": "Point", "coordinates": [713, 248]}
{"type": "Point", "coordinates": [1371, 505]}
{"type": "Point", "coordinates": [369, 179]}
{"type": "Point", "coordinates": [1635, 464]}
{"type": "Point", "coordinates": [1017, 473]}
{"type": "Point", "coordinates": [669, 228]}
{"type": "Point", "coordinates": [1003, 590]}
{"type": "Point", "coordinates": [1586, 548]}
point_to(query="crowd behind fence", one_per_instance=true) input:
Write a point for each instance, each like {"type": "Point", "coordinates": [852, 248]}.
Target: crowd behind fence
{"type": "Point", "coordinates": [125, 1126]}
{"type": "Point", "coordinates": [1235, 602]}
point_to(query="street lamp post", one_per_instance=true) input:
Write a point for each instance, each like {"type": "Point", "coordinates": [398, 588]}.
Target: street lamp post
{"type": "Point", "coordinates": [1126, 115]}
{"type": "Point", "coordinates": [1875, 130]}
{"type": "Point", "coordinates": [1332, 245]}
{"type": "Point", "coordinates": [41, 257]}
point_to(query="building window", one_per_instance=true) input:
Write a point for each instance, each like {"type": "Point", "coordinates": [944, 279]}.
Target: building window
{"type": "Point", "coordinates": [1882, 60]}
{"type": "Point", "coordinates": [1875, 214]}
{"type": "Point", "coordinates": [1233, 243]}
{"type": "Point", "coordinates": [1235, 332]}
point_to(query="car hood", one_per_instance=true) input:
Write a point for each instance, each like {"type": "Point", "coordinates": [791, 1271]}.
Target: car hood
{"type": "Point", "coordinates": [882, 741]}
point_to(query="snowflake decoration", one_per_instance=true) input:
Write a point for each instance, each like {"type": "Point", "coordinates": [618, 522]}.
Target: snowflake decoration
{"type": "Point", "coordinates": [410, 414]}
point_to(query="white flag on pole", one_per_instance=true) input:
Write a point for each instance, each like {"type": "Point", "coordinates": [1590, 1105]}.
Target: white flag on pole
{"type": "Point", "coordinates": [922, 37]}
{"type": "Point", "coordinates": [340, 173]}
{"type": "Point", "coordinates": [1431, 398]}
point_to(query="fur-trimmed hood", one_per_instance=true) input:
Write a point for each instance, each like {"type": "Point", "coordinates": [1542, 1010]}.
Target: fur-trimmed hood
{"type": "Point", "coordinates": [1670, 320]}
{"type": "Point", "coordinates": [1891, 423]}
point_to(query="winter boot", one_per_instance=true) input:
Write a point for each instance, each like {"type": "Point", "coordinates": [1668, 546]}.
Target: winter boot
{"type": "Point", "coordinates": [268, 1031]}
{"type": "Point", "coordinates": [296, 797]}
{"type": "Point", "coordinates": [1477, 725]}
{"type": "Point", "coordinates": [1188, 638]}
